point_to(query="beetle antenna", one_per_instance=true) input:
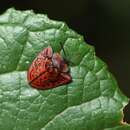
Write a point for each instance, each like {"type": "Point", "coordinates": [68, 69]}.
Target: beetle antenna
{"type": "Point", "coordinates": [62, 47]}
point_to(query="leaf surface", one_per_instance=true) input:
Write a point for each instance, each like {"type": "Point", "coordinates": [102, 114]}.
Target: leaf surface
{"type": "Point", "coordinates": [92, 101]}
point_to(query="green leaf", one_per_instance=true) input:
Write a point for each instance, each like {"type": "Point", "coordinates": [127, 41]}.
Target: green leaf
{"type": "Point", "coordinates": [92, 101]}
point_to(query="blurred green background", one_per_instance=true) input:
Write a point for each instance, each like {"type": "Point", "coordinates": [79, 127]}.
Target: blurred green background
{"type": "Point", "coordinates": [104, 24]}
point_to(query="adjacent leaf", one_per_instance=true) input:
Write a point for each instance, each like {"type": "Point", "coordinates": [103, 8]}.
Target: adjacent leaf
{"type": "Point", "coordinates": [92, 101]}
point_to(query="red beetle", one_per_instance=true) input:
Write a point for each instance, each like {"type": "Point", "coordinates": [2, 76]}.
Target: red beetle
{"type": "Point", "coordinates": [48, 70]}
